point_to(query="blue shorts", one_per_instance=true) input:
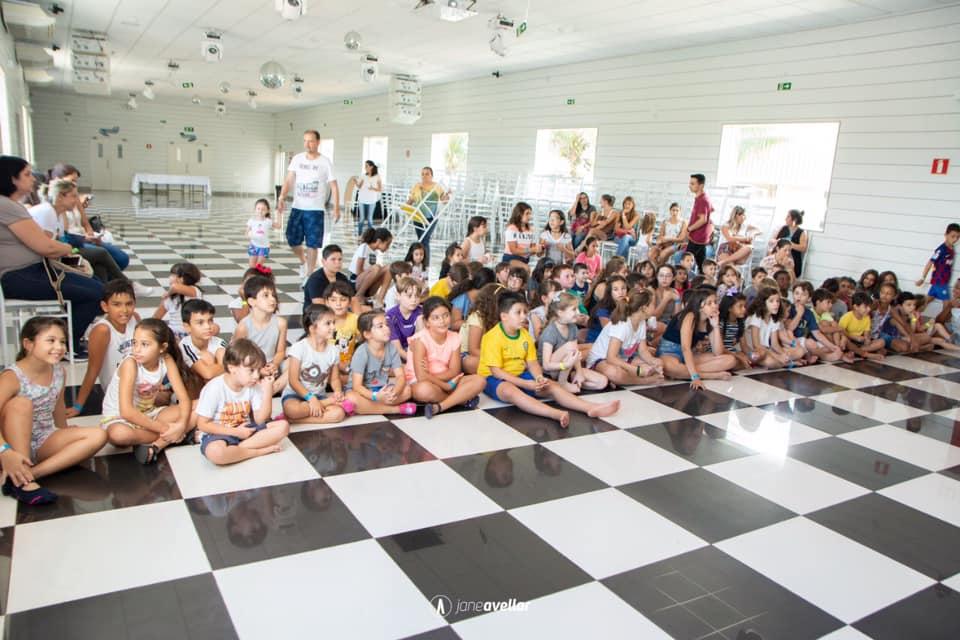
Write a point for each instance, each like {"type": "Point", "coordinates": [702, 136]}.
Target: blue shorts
{"type": "Point", "coordinates": [668, 348]}
{"type": "Point", "coordinates": [231, 441]}
{"type": "Point", "coordinates": [253, 251]}
{"type": "Point", "coordinates": [507, 257]}
{"type": "Point", "coordinates": [295, 396]}
{"type": "Point", "coordinates": [493, 382]}
{"type": "Point", "coordinates": [305, 227]}
{"type": "Point", "coordinates": [887, 339]}
{"type": "Point", "coordinates": [939, 291]}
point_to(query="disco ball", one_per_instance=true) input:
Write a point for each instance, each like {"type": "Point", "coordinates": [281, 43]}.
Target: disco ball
{"type": "Point", "coordinates": [272, 75]}
{"type": "Point", "coordinates": [224, 87]}
{"type": "Point", "coordinates": [352, 40]}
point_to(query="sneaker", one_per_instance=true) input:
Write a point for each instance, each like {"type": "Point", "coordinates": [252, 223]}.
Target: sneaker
{"type": "Point", "coordinates": [34, 497]}
{"type": "Point", "coordinates": [80, 355]}
{"type": "Point", "coordinates": [143, 291]}
{"type": "Point", "coordinates": [303, 270]}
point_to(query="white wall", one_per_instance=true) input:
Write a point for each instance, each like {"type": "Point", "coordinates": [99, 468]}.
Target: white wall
{"type": "Point", "coordinates": [892, 83]}
{"type": "Point", "coordinates": [241, 142]}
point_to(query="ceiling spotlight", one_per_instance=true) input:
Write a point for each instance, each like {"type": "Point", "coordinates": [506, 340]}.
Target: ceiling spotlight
{"type": "Point", "coordinates": [211, 46]}
{"type": "Point", "coordinates": [457, 10]}
{"type": "Point", "coordinates": [221, 109]}
{"type": "Point", "coordinates": [291, 9]}
{"type": "Point", "coordinates": [421, 4]}
{"type": "Point", "coordinates": [195, 99]}
{"type": "Point", "coordinates": [224, 87]}
{"type": "Point", "coordinates": [252, 101]}
{"type": "Point", "coordinates": [498, 45]}
{"type": "Point", "coordinates": [132, 102]}
{"type": "Point", "coordinates": [351, 40]}
{"type": "Point", "coordinates": [148, 90]}
{"type": "Point", "coordinates": [297, 87]}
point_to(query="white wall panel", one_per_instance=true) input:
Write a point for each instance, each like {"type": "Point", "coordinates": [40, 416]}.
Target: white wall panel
{"type": "Point", "coordinates": [241, 142]}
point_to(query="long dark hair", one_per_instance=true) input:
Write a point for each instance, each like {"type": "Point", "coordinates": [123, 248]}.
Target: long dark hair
{"type": "Point", "coordinates": [365, 324]}
{"type": "Point", "coordinates": [265, 203]}
{"type": "Point", "coordinates": [413, 247]}
{"type": "Point", "coordinates": [189, 273]}
{"type": "Point", "coordinates": [10, 168]}
{"type": "Point", "coordinates": [580, 207]}
{"type": "Point", "coordinates": [373, 167]}
{"type": "Point", "coordinates": [34, 327]}
{"type": "Point", "coordinates": [607, 302]}
{"type": "Point", "coordinates": [461, 278]}
{"type": "Point", "coordinates": [759, 305]}
{"type": "Point", "coordinates": [162, 333]}
{"type": "Point", "coordinates": [726, 305]}
{"type": "Point", "coordinates": [516, 216]}
{"type": "Point", "coordinates": [563, 221]}
{"type": "Point", "coordinates": [694, 300]}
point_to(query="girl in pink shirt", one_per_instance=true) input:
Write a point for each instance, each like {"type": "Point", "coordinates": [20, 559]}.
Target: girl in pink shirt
{"type": "Point", "coordinates": [433, 368]}
{"type": "Point", "coordinates": [590, 256]}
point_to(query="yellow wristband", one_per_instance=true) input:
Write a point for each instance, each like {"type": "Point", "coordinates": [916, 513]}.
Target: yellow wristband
{"type": "Point", "coordinates": [563, 366]}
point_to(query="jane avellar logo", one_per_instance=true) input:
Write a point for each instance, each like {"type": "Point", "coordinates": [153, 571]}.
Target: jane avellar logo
{"type": "Point", "coordinates": [445, 606]}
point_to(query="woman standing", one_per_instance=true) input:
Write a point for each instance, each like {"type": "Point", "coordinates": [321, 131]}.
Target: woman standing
{"type": "Point", "coordinates": [23, 247]}
{"type": "Point", "coordinates": [798, 239]}
{"type": "Point", "coordinates": [370, 187]}
{"type": "Point", "coordinates": [426, 196]}
{"type": "Point", "coordinates": [736, 246]}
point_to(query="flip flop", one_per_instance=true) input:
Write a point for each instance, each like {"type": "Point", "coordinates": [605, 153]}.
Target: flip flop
{"type": "Point", "coordinates": [146, 453]}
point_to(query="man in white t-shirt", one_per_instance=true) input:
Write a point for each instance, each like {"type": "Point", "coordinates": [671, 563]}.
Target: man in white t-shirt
{"type": "Point", "coordinates": [309, 174]}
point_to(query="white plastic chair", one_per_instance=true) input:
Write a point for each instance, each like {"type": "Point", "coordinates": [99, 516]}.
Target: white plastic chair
{"type": "Point", "coordinates": [19, 311]}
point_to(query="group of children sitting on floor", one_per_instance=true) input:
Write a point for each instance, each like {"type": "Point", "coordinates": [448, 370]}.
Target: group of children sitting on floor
{"type": "Point", "coordinates": [519, 337]}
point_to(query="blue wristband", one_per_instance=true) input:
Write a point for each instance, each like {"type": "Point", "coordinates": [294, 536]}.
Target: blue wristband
{"type": "Point", "coordinates": [77, 406]}
{"type": "Point", "coordinates": [308, 397]}
{"type": "Point", "coordinates": [374, 396]}
{"type": "Point", "coordinates": [452, 383]}
{"type": "Point", "coordinates": [695, 376]}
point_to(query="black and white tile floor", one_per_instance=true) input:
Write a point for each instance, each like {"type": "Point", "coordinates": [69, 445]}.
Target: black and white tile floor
{"type": "Point", "coordinates": [820, 502]}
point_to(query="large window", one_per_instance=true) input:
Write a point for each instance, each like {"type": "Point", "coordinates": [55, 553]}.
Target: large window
{"type": "Point", "coordinates": [448, 154]}
{"type": "Point", "coordinates": [6, 139]}
{"type": "Point", "coordinates": [789, 165]}
{"type": "Point", "coordinates": [326, 148]}
{"type": "Point", "coordinates": [26, 135]}
{"type": "Point", "coordinates": [375, 150]}
{"type": "Point", "coordinates": [570, 153]}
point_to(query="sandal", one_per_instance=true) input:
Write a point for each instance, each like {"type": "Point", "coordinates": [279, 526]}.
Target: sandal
{"type": "Point", "coordinates": [34, 497]}
{"type": "Point", "coordinates": [472, 403]}
{"type": "Point", "coordinates": [408, 408]}
{"type": "Point", "coordinates": [146, 453]}
{"type": "Point", "coordinates": [190, 437]}
{"type": "Point", "coordinates": [428, 410]}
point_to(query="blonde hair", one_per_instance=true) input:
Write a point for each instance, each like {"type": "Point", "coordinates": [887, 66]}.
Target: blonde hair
{"type": "Point", "coordinates": [56, 188]}
{"type": "Point", "coordinates": [648, 222]}
{"type": "Point", "coordinates": [406, 283]}
{"type": "Point", "coordinates": [732, 220]}
{"type": "Point", "coordinates": [560, 302]}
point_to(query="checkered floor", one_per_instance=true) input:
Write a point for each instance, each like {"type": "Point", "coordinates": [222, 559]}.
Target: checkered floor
{"type": "Point", "coordinates": [821, 502]}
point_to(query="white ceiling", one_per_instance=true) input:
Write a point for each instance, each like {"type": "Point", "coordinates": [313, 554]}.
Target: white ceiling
{"type": "Point", "coordinates": [145, 34]}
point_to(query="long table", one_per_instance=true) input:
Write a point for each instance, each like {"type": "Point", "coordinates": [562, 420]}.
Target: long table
{"type": "Point", "coordinates": [156, 180]}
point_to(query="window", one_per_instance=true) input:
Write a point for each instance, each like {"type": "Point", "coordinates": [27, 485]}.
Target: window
{"type": "Point", "coordinates": [789, 165]}
{"type": "Point", "coordinates": [326, 148]}
{"type": "Point", "coordinates": [199, 156]}
{"type": "Point", "coordinates": [26, 139]}
{"type": "Point", "coordinates": [119, 152]}
{"type": "Point", "coordinates": [448, 153]}
{"type": "Point", "coordinates": [566, 152]}
{"type": "Point", "coordinates": [6, 142]}
{"type": "Point", "coordinates": [375, 149]}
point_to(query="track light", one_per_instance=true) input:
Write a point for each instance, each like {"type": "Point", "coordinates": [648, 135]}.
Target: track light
{"type": "Point", "coordinates": [148, 90]}
{"type": "Point", "coordinates": [252, 101]}
{"type": "Point", "coordinates": [132, 102]}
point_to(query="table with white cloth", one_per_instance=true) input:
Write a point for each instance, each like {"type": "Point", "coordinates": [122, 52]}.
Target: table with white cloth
{"type": "Point", "coordinates": [157, 180]}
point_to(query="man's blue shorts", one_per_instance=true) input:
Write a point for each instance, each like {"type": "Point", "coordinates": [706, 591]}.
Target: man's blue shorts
{"type": "Point", "coordinates": [305, 226]}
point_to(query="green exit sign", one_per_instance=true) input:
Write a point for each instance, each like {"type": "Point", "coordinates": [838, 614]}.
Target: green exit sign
{"type": "Point", "coordinates": [186, 85]}
{"type": "Point", "coordinates": [188, 129]}
{"type": "Point", "coordinates": [348, 102]}
{"type": "Point", "coordinates": [571, 101]}
{"type": "Point", "coordinates": [784, 86]}
{"type": "Point", "coordinates": [521, 28]}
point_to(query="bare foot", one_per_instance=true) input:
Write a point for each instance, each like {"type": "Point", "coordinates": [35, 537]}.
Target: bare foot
{"type": "Point", "coordinates": [564, 419]}
{"type": "Point", "coordinates": [848, 357]}
{"type": "Point", "coordinates": [873, 356]}
{"type": "Point", "coordinates": [571, 387]}
{"type": "Point", "coordinates": [603, 410]}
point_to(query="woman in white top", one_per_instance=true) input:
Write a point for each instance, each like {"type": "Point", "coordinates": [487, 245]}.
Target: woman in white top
{"type": "Point", "coordinates": [555, 239]}
{"type": "Point", "coordinates": [76, 219]}
{"type": "Point", "coordinates": [673, 232]}
{"type": "Point", "coordinates": [737, 245]}
{"type": "Point", "coordinates": [370, 187]}
{"type": "Point", "coordinates": [518, 237]}
{"type": "Point", "coordinates": [473, 247]}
